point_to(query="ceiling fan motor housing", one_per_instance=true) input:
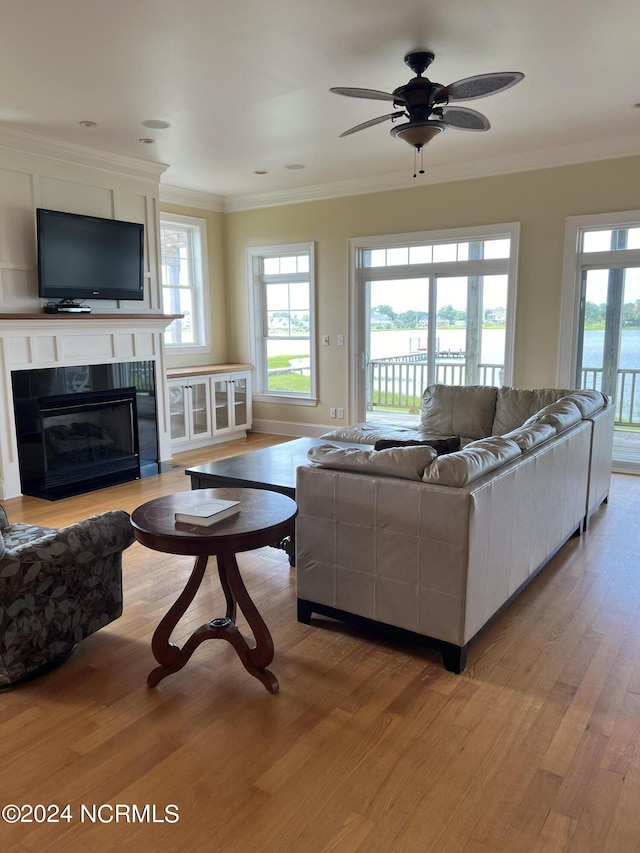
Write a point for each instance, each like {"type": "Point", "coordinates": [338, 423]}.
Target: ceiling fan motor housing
{"type": "Point", "coordinates": [417, 97]}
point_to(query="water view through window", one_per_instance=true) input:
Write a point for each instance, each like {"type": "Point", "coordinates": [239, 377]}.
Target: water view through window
{"type": "Point", "coordinates": [443, 319]}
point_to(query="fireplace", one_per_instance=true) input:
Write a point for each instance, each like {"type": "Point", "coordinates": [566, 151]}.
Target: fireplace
{"type": "Point", "coordinates": [85, 428]}
{"type": "Point", "coordinates": [88, 439]}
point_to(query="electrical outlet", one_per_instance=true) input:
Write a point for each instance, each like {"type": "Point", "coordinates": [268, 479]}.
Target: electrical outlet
{"type": "Point", "coordinates": [332, 413]}
{"type": "Point", "coordinates": [340, 413]}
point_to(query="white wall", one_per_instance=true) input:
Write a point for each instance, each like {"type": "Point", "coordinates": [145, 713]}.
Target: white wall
{"type": "Point", "coordinates": [67, 178]}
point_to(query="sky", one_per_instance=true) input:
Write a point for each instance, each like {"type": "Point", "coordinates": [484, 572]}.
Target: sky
{"type": "Point", "coordinates": [412, 294]}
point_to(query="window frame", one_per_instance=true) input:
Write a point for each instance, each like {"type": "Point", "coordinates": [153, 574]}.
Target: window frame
{"type": "Point", "coordinates": [255, 255]}
{"type": "Point", "coordinates": [200, 283]}
{"type": "Point", "coordinates": [358, 274]}
{"type": "Point", "coordinates": [575, 260]}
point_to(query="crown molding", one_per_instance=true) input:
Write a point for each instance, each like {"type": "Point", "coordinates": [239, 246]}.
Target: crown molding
{"type": "Point", "coordinates": [23, 142]}
{"type": "Point", "coordinates": [548, 158]}
{"type": "Point", "coordinates": [192, 198]}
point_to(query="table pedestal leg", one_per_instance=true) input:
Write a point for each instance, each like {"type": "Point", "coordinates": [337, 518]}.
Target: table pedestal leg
{"type": "Point", "coordinates": [255, 660]}
{"type": "Point", "coordinates": [169, 655]}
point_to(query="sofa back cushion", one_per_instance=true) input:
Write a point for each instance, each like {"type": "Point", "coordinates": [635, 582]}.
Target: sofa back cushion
{"type": "Point", "coordinates": [474, 461]}
{"type": "Point", "coordinates": [528, 437]}
{"type": "Point", "coordinates": [562, 414]}
{"type": "Point", "coordinates": [407, 463]}
{"type": "Point", "coordinates": [466, 410]}
{"type": "Point", "coordinates": [588, 401]}
{"type": "Point", "coordinates": [515, 405]}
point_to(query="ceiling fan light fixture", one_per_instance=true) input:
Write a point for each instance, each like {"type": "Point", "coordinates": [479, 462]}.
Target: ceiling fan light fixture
{"type": "Point", "coordinates": [418, 133]}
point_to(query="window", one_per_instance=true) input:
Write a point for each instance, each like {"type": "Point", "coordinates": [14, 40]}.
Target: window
{"type": "Point", "coordinates": [281, 288]}
{"type": "Point", "coordinates": [600, 333]}
{"type": "Point", "coordinates": [601, 268]}
{"type": "Point", "coordinates": [430, 307]}
{"type": "Point", "coordinates": [183, 251]}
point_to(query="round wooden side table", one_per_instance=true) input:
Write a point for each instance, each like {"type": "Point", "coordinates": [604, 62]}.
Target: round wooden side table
{"type": "Point", "coordinates": [265, 518]}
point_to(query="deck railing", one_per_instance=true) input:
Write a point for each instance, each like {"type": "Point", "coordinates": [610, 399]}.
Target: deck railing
{"type": "Point", "coordinates": [397, 383]}
{"type": "Point", "coordinates": [627, 393]}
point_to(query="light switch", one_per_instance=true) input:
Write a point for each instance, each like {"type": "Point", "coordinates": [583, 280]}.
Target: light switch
{"type": "Point", "coordinates": [325, 340]}
{"type": "Point", "coordinates": [340, 340]}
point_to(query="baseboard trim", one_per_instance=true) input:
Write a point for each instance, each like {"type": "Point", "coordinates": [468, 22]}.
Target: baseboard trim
{"type": "Point", "coordinates": [289, 428]}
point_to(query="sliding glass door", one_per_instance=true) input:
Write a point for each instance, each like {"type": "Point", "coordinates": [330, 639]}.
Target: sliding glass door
{"type": "Point", "coordinates": [607, 338]}
{"type": "Point", "coordinates": [431, 312]}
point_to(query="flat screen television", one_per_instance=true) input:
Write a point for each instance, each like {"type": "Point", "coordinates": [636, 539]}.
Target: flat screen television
{"type": "Point", "coordinates": [88, 257]}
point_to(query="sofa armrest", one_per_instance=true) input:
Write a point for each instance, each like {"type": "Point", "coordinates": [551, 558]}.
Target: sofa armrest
{"type": "Point", "coordinates": [77, 546]}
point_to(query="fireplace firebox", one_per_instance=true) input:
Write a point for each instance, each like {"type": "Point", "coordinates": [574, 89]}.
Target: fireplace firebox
{"type": "Point", "coordinates": [97, 433]}
{"type": "Point", "coordinates": [89, 438]}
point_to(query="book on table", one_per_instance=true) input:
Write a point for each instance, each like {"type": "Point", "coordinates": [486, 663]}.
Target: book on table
{"type": "Point", "coordinates": [208, 512]}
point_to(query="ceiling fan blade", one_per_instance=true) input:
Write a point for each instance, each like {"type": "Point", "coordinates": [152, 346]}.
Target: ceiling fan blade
{"type": "Point", "coordinates": [463, 118]}
{"type": "Point", "coordinates": [371, 122]}
{"type": "Point", "coordinates": [480, 86]}
{"type": "Point", "coordinates": [372, 94]}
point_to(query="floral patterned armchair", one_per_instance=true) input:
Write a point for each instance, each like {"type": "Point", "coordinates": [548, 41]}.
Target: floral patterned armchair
{"type": "Point", "coordinates": [56, 588]}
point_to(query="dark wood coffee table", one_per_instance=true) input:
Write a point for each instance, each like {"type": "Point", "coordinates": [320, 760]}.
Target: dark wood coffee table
{"type": "Point", "coordinates": [272, 468]}
{"type": "Point", "coordinates": [265, 518]}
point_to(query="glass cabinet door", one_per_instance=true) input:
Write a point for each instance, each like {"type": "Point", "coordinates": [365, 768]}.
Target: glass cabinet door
{"type": "Point", "coordinates": [177, 411]}
{"type": "Point", "coordinates": [200, 423]}
{"type": "Point", "coordinates": [221, 409]}
{"type": "Point", "coordinates": [240, 408]}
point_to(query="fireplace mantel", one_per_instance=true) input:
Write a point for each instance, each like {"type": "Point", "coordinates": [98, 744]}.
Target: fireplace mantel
{"type": "Point", "coordinates": [37, 340]}
{"type": "Point", "coordinates": [124, 319]}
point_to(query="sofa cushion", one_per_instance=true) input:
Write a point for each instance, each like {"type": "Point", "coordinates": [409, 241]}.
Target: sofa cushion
{"type": "Point", "coordinates": [561, 415]}
{"type": "Point", "coordinates": [408, 463]}
{"type": "Point", "coordinates": [440, 445]}
{"type": "Point", "coordinates": [466, 410]}
{"type": "Point", "coordinates": [588, 401]}
{"type": "Point", "coordinates": [515, 405]}
{"type": "Point", "coordinates": [372, 431]}
{"type": "Point", "coordinates": [477, 459]}
{"type": "Point", "coordinates": [528, 437]}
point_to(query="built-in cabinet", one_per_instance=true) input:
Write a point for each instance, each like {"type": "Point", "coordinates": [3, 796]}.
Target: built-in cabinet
{"type": "Point", "coordinates": [208, 404]}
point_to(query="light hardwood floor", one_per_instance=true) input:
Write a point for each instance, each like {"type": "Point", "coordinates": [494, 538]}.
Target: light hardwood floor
{"type": "Point", "coordinates": [369, 746]}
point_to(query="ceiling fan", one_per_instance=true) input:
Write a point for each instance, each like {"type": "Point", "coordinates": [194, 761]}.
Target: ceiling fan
{"type": "Point", "coordinates": [427, 104]}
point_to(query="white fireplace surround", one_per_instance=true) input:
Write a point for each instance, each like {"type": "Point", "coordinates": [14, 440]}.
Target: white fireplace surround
{"type": "Point", "coordinates": [33, 341]}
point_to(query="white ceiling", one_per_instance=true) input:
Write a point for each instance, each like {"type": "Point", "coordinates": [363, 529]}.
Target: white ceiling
{"type": "Point", "coordinates": [245, 84]}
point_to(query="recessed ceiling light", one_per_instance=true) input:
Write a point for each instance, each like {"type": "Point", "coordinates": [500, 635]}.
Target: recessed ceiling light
{"type": "Point", "coordinates": [156, 123]}
{"type": "Point", "coordinates": [295, 166]}
{"type": "Point", "coordinates": [147, 140]}
{"type": "Point", "coordinates": [260, 172]}
{"type": "Point", "coordinates": [88, 123]}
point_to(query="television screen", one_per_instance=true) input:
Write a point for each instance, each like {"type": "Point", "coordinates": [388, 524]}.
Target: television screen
{"type": "Point", "coordinates": [88, 257]}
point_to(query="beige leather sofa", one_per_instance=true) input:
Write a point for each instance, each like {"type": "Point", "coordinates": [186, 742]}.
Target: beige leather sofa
{"type": "Point", "coordinates": [437, 545]}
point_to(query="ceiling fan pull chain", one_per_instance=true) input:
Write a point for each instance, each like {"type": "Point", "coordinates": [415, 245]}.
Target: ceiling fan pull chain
{"type": "Point", "coordinates": [417, 148]}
